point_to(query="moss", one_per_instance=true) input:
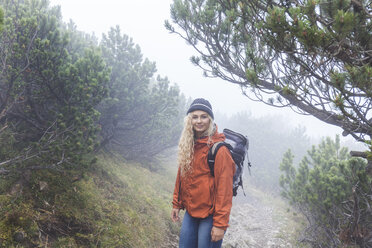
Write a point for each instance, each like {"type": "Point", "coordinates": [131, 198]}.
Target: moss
{"type": "Point", "coordinates": [17, 223]}
{"type": "Point", "coordinates": [65, 242]}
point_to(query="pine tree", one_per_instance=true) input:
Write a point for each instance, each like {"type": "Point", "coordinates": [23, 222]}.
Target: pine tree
{"type": "Point", "coordinates": [141, 116]}
{"type": "Point", "coordinates": [48, 91]}
{"type": "Point", "coordinates": [314, 56]}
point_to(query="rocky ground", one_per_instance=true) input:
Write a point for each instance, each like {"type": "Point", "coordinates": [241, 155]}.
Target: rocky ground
{"type": "Point", "coordinates": [256, 223]}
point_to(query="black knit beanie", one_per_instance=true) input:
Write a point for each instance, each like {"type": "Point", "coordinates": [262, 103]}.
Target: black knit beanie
{"type": "Point", "coordinates": [201, 104]}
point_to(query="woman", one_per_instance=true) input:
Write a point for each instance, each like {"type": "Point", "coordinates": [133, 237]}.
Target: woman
{"type": "Point", "coordinates": [206, 198]}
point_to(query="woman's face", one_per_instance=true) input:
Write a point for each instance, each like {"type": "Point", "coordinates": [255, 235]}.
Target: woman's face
{"type": "Point", "coordinates": [200, 122]}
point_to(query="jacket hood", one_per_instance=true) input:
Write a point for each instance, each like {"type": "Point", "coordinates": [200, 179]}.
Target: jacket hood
{"type": "Point", "coordinates": [216, 137]}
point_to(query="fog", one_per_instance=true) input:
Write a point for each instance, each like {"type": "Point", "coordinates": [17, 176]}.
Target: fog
{"type": "Point", "coordinates": [88, 153]}
{"type": "Point", "coordinates": [143, 20]}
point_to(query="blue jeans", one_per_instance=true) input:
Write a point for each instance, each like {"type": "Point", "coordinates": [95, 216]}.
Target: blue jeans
{"type": "Point", "coordinates": [196, 233]}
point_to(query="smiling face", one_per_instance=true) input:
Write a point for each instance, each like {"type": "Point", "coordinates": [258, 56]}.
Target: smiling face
{"type": "Point", "coordinates": [200, 122]}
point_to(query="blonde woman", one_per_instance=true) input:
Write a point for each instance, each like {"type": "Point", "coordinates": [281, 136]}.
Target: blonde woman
{"type": "Point", "coordinates": [207, 199]}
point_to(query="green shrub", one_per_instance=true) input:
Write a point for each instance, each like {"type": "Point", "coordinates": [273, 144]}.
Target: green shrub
{"type": "Point", "coordinates": [333, 191]}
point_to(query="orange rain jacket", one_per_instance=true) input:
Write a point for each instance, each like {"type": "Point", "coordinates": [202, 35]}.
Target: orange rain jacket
{"type": "Point", "coordinates": [201, 193]}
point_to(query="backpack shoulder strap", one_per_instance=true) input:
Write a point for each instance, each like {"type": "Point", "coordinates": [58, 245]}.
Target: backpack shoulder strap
{"type": "Point", "coordinates": [212, 154]}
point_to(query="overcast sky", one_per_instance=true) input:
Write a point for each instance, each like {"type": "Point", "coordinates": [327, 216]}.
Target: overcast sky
{"type": "Point", "coordinates": [143, 21]}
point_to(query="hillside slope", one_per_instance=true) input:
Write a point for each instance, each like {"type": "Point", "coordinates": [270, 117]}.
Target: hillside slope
{"type": "Point", "coordinates": [111, 204]}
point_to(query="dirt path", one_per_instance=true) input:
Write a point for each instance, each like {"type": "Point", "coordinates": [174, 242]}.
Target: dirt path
{"type": "Point", "coordinates": [254, 224]}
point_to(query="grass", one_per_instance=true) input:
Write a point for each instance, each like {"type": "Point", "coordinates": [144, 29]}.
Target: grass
{"type": "Point", "coordinates": [113, 203]}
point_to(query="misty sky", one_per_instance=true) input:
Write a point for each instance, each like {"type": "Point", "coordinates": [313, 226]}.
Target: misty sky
{"type": "Point", "coordinates": [143, 21]}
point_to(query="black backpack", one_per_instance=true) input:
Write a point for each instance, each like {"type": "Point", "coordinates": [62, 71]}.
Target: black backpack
{"type": "Point", "coordinates": [238, 146]}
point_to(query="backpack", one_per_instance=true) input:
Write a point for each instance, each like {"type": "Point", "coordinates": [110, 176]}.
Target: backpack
{"type": "Point", "coordinates": [238, 146]}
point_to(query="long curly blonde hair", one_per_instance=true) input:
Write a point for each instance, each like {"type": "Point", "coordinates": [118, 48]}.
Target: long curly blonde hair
{"type": "Point", "coordinates": [187, 141]}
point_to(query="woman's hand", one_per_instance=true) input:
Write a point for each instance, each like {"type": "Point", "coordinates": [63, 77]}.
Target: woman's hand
{"type": "Point", "coordinates": [175, 214]}
{"type": "Point", "coordinates": [217, 234]}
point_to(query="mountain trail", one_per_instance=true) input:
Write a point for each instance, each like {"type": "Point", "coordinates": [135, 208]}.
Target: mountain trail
{"type": "Point", "coordinates": [255, 224]}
